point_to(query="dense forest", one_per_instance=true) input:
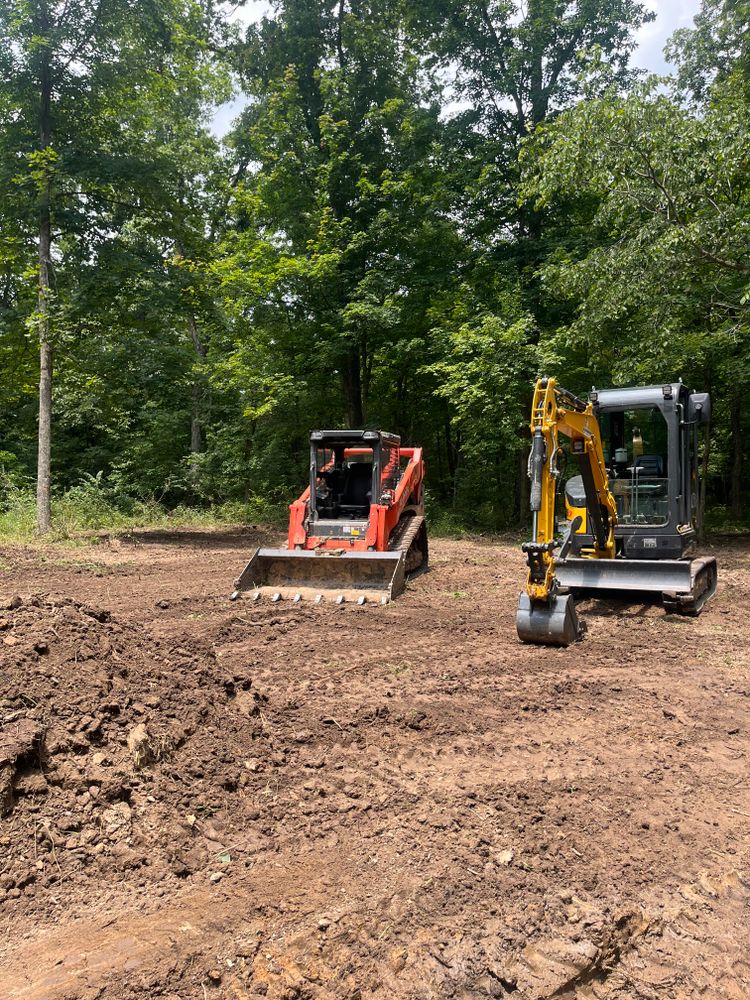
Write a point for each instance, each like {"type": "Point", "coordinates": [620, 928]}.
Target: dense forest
{"type": "Point", "coordinates": [423, 205]}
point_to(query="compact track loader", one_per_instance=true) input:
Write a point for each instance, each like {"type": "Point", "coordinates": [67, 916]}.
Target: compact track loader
{"type": "Point", "coordinates": [631, 512]}
{"type": "Point", "coordinates": [356, 532]}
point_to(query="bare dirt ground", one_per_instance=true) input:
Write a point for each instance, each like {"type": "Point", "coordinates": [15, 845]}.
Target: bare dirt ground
{"type": "Point", "coordinates": [204, 799]}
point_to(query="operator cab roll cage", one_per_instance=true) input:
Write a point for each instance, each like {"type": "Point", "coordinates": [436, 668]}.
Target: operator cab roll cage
{"type": "Point", "coordinates": [352, 485]}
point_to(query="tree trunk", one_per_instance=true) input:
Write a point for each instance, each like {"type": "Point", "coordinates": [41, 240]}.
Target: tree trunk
{"type": "Point", "coordinates": [735, 484]}
{"type": "Point", "coordinates": [458, 469]}
{"type": "Point", "coordinates": [449, 451]}
{"type": "Point", "coordinates": [351, 378]}
{"type": "Point", "coordinates": [44, 459]}
{"type": "Point", "coordinates": [196, 430]}
{"type": "Point", "coordinates": [701, 512]}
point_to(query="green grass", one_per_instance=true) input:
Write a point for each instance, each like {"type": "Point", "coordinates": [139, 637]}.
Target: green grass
{"type": "Point", "coordinates": [91, 507]}
{"type": "Point", "coordinates": [719, 521]}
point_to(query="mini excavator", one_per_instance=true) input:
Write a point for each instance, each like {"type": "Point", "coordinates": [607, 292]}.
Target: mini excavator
{"type": "Point", "coordinates": [631, 513]}
{"type": "Point", "coordinates": [357, 531]}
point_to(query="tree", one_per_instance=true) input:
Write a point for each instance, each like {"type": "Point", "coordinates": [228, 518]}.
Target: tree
{"type": "Point", "coordinates": [342, 214]}
{"type": "Point", "coordinates": [516, 65]}
{"type": "Point", "coordinates": [714, 50]}
{"type": "Point", "coordinates": [656, 266]}
{"type": "Point", "coordinates": [74, 140]}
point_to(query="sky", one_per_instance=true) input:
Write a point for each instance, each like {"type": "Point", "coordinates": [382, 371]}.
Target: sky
{"type": "Point", "coordinates": [670, 15]}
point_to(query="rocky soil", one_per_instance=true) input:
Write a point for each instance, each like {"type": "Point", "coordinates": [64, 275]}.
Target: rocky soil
{"type": "Point", "coordinates": [205, 799]}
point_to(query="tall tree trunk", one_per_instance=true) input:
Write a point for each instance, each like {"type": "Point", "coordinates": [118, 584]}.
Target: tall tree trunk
{"type": "Point", "coordinates": [702, 486]}
{"type": "Point", "coordinates": [735, 484]}
{"type": "Point", "coordinates": [351, 378]}
{"type": "Point", "coordinates": [196, 430]}
{"type": "Point", "coordinates": [458, 469]}
{"type": "Point", "coordinates": [449, 450]}
{"type": "Point", "coordinates": [44, 459]}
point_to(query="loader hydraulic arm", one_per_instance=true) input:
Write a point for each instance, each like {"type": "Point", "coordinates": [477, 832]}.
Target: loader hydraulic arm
{"type": "Point", "coordinates": [556, 411]}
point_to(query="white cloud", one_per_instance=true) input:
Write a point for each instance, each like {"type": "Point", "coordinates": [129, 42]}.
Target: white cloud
{"type": "Point", "coordinates": [651, 38]}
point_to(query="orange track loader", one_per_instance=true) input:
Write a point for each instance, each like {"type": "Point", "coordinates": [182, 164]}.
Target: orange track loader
{"type": "Point", "coordinates": [356, 532]}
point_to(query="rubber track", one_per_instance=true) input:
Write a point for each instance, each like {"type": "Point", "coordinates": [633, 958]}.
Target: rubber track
{"type": "Point", "coordinates": [406, 533]}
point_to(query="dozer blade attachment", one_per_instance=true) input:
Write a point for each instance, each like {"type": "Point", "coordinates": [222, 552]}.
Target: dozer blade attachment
{"type": "Point", "coordinates": [684, 585]}
{"type": "Point", "coordinates": [327, 575]}
{"type": "Point", "coordinates": [547, 623]}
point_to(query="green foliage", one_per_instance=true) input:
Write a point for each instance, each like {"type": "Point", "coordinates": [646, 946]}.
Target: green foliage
{"type": "Point", "coordinates": [654, 265]}
{"type": "Point", "coordinates": [420, 209]}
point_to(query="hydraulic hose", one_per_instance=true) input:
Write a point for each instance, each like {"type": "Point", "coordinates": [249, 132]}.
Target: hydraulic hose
{"type": "Point", "coordinates": [536, 467]}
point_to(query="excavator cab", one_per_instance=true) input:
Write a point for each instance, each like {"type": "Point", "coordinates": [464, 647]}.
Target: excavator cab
{"type": "Point", "coordinates": [650, 439]}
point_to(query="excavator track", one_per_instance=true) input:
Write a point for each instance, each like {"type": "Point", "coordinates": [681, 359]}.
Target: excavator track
{"type": "Point", "coordinates": [703, 580]}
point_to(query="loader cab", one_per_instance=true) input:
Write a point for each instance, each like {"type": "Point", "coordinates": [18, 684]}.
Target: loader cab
{"type": "Point", "coordinates": [650, 442]}
{"type": "Point", "coordinates": [350, 471]}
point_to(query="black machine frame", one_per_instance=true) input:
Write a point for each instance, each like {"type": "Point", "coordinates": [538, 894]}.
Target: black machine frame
{"type": "Point", "coordinates": [382, 444]}
{"type": "Point", "coordinates": [684, 412]}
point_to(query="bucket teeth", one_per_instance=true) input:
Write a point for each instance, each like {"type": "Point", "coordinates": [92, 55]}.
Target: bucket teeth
{"type": "Point", "coordinates": [282, 574]}
{"type": "Point", "coordinates": [362, 600]}
{"type": "Point", "coordinates": [340, 599]}
{"type": "Point", "coordinates": [297, 598]}
{"type": "Point", "coordinates": [256, 595]}
{"type": "Point", "coordinates": [234, 595]}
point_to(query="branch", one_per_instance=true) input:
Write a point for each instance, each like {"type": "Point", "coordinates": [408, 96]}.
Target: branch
{"type": "Point", "coordinates": [500, 47]}
{"type": "Point", "coordinates": [87, 37]}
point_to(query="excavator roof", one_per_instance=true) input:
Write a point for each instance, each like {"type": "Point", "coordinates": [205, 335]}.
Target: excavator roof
{"type": "Point", "coordinates": [639, 397]}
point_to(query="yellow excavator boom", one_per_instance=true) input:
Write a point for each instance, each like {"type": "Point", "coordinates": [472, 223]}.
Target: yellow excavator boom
{"type": "Point", "coordinates": [543, 615]}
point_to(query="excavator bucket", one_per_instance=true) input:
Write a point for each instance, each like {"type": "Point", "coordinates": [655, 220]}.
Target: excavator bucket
{"type": "Point", "coordinates": [548, 623]}
{"type": "Point", "coordinates": [326, 575]}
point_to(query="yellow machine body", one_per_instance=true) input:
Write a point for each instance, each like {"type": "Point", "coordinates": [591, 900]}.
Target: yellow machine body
{"type": "Point", "coordinates": [543, 615]}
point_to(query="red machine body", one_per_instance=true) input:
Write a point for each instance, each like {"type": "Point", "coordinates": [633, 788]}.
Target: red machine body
{"type": "Point", "coordinates": [383, 517]}
{"type": "Point", "coordinates": [356, 532]}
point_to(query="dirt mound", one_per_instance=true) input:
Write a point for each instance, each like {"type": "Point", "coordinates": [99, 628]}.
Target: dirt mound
{"type": "Point", "coordinates": [206, 799]}
{"type": "Point", "coordinates": [115, 748]}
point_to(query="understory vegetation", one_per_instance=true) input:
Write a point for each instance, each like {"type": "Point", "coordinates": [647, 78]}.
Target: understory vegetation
{"type": "Point", "coordinates": [416, 210]}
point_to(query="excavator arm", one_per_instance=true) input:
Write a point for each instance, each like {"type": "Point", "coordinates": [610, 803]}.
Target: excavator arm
{"type": "Point", "coordinates": [543, 615]}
